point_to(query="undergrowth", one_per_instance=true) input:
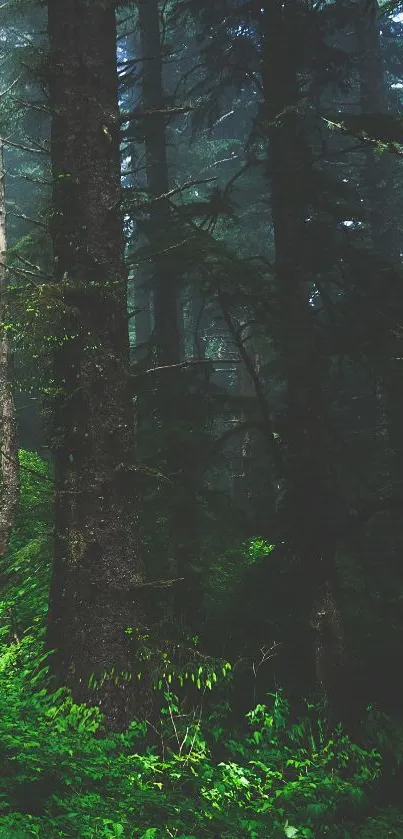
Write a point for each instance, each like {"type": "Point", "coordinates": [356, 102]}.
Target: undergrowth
{"type": "Point", "coordinates": [202, 776]}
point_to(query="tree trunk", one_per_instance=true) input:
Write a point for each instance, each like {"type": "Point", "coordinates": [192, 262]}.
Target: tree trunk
{"type": "Point", "coordinates": [380, 170]}
{"type": "Point", "coordinates": [142, 291]}
{"type": "Point", "coordinates": [307, 470]}
{"type": "Point", "coordinates": [167, 333]}
{"type": "Point", "coordinates": [8, 433]}
{"type": "Point", "coordinates": [143, 328]}
{"type": "Point", "coordinates": [171, 396]}
{"type": "Point", "coordinates": [380, 176]}
{"type": "Point", "coordinates": [96, 601]}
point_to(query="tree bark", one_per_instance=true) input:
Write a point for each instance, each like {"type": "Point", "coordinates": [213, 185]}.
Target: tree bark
{"type": "Point", "coordinates": [8, 429]}
{"type": "Point", "coordinates": [380, 176]}
{"type": "Point", "coordinates": [165, 287]}
{"type": "Point", "coordinates": [308, 508]}
{"type": "Point", "coordinates": [96, 602]}
{"type": "Point", "coordinates": [379, 169]}
{"type": "Point", "coordinates": [170, 400]}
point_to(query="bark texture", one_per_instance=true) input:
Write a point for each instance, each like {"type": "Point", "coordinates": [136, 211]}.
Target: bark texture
{"type": "Point", "coordinates": [380, 178]}
{"type": "Point", "coordinates": [96, 595]}
{"type": "Point", "coordinates": [8, 430]}
{"type": "Point", "coordinates": [379, 169]}
{"type": "Point", "coordinates": [170, 396]}
{"type": "Point", "coordinates": [165, 288]}
{"type": "Point", "coordinates": [309, 500]}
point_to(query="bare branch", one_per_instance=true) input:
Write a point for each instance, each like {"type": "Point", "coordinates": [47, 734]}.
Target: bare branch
{"type": "Point", "coordinates": [10, 87]}
{"type": "Point", "coordinates": [38, 150]}
{"type": "Point", "coordinates": [137, 114]}
{"type": "Point", "coordinates": [182, 188]}
{"type": "Point", "coordinates": [190, 362]}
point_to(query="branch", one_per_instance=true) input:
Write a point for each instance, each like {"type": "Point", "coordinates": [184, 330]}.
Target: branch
{"type": "Point", "coordinates": [392, 146]}
{"type": "Point", "coordinates": [37, 270]}
{"type": "Point", "coordinates": [188, 363]}
{"type": "Point", "coordinates": [182, 188]}
{"type": "Point", "coordinates": [157, 583]}
{"type": "Point", "coordinates": [34, 106]}
{"type": "Point", "coordinates": [250, 367]}
{"type": "Point", "coordinates": [27, 218]}
{"type": "Point", "coordinates": [10, 87]}
{"type": "Point", "coordinates": [156, 112]}
{"type": "Point", "coordinates": [38, 150]}
{"type": "Point", "coordinates": [173, 247]}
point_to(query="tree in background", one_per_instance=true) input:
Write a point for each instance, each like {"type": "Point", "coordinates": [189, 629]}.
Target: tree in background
{"type": "Point", "coordinates": [8, 432]}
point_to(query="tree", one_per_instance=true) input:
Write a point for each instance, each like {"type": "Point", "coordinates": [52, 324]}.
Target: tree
{"type": "Point", "coordinates": [379, 169]}
{"type": "Point", "coordinates": [8, 434]}
{"type": "Point", "coordinates": [310, 499]}
{"type": "Point", "coordinates": [154, 103]}
{"type": "Point", "coordinates": [96, 593]}
{"type": "Point", "coordinates": [381, 183]}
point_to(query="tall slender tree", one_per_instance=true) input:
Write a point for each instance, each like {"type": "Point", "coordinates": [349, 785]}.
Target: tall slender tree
{"type": "Point", "coordinates": [307, 464]}
{"type": "Point", "coordinates": [381, 188]}
{"type": "Point", "coordinates": [154, 104]}
{"type": "Point", "coordinates": [8, 434]}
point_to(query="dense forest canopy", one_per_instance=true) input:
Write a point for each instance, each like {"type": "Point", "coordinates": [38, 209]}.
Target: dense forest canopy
{"type": "Point", "coordinates": [201, 419]}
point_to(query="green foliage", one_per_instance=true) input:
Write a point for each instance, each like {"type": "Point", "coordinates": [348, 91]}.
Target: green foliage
{"type": "Point", "coordinates": [194, 775]}
{"type": "Point", "coordinates": [258, 548]}
{"type": "Point", "coordinates": [227, 571]}
{"type": "Point", "coordinates": [71, 779]}
{"type": "Point", "coordinates": [25, 569]}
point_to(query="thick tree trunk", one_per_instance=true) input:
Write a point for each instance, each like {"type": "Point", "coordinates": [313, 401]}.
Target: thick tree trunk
{"type": "Point", "coordinates": [8, 429]}
{"type": "Point", "coordinates": [96, 593]}
{"type": "Point", "coordinates": [380, 170]}
{"type": "Point", "coordinates": [307, 470]}
{"type": "Point", "coordinates": [380, 178]}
